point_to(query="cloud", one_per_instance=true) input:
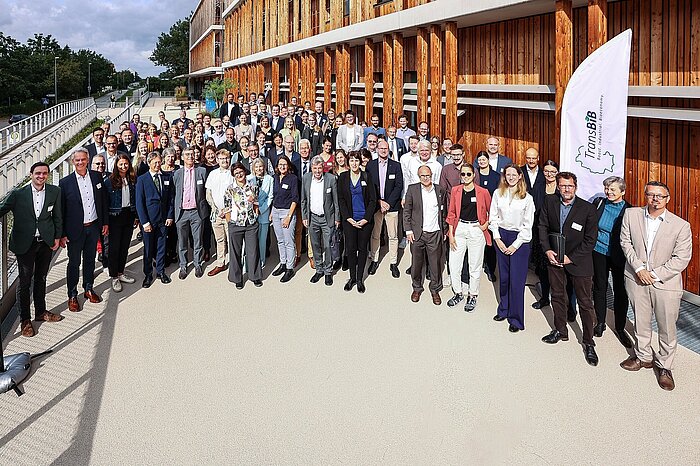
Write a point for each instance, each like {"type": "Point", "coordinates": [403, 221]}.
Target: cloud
{"type": "Point", "coordinates": [124, 32]}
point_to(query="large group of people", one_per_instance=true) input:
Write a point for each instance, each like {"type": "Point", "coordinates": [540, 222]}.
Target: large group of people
{"type": "Point", "coordinates": [338, 189]}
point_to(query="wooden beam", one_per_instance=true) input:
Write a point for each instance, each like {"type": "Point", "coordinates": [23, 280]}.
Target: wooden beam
{"type": "Point", "coordinates": [369, 78]}
{"type": "Point", "coordinates": [313, 77]}
{"type": "Point", "coordinates": [436, 79]}
{"type": "Point", "coordinates": [342, 85]}
{"type": "Point", "coordinates": [597, 24]}
{"type": "Point", "coordinates": [275, 94]}
{"type": "Point", "coordinates": [293, 76]}
{"type": "Point", "coordinates": [563, 63]}
{"type": "Point", "coordinates": [327, 71]}
{"type": "Point", "coordinates": [387, 79]}
{"type": "Point", "coordinates": [423, 73]}
{"type": "Point", "coordinates": [451, 81]}
{"type": "Point", "coordinates": [397, 77]}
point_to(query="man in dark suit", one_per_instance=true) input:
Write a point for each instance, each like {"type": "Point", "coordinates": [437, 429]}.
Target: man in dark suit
{"type": "Point", "coordinates": [191, 209]}
{"type": "Point", "coordinates": [277, 121]}
{"type": "Point", "coordinates": [85, 205]}
{"type": "Point", "coordinates": [424, 218]}
{"type": "Point", "coordinates": [231, 108]}
{"type": "Point", "coordinates": [319, 213]}
{"type": "Point", "coordinates": [497, 161]}
{"type": "Point", "coordinates": [576, 219]}
{"type": "Point", "coordinates": [155, 193]}
{"type": "Point", "coordinates": [183, 118]}
{"type": "Point", "coordinates": [97, 146]}
{"type": "Point", "coordinates": [128, 145]}
{"type": "Point", "coordinates": [396, 145]}
{"type": "Point", "coordinates": [36, 231]}
{"type": "Point", "coordinates": [533, 175]}
{"type": "Point", "coordinates": [388, 179]}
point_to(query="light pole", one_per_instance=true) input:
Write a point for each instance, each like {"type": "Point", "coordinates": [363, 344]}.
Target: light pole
{"type": "Point", "coordinates": [89, 88]}
{"type": "Point", "coordinates": [55, 79]}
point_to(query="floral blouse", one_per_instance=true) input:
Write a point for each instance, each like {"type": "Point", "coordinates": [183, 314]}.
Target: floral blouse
{"type": "Point", "coordinates": [242, 203]}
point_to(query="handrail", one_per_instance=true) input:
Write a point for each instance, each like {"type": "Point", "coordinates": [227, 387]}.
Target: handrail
{"type": "Point", "coordinates": [19, 132]}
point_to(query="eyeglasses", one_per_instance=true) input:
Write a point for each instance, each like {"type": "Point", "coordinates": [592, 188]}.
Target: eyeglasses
{"type": "Point", "coordinates": [466, 174]}
{"type": "Point", "coordinates": [566, 186]}
{"type": "Point", "coordinates": [110, 143]}
{"type": "Point", "coordinates": [425, 176]}
{"type": "Point", "coordinates": [239, 173]}
{"type": "Point", "coordinates": [97, 164]}
{"type": "Point", "coordinates": [550, 172]}
{"type": "Point", "coordinates": [656, 196]}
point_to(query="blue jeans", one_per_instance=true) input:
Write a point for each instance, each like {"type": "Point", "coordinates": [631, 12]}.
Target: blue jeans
{"type": "Point", "coordinates": [285, 236]}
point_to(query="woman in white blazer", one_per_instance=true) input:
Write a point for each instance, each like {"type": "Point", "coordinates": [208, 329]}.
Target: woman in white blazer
{"type": "Point", "coordinates": [350, 135]}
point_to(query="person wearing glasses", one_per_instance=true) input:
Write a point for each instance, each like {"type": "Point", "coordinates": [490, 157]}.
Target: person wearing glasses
{"type": "Point", "coordinates": [285, 197]}
{"type": "Point", "coordinates": [658, 247]}
{"type": "Point", "coordinates": [468, 221]}
{"type": "Point", "coordinates": [219, 133]}
{"type": "Point", "coordinates": [576, 219]}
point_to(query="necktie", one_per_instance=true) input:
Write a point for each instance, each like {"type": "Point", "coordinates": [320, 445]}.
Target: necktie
{"type": "Point", "coordinates": [156, 180]}
{"type": "Point", "coordinates": [306, 168]}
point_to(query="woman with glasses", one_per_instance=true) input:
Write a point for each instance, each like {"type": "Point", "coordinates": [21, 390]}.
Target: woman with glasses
{"type": "Point", "coordinates": [241, 210]}
{"type": "Point", "coordinates": [608, 258]}
{"type": "Point", "coordinates": [550, 171]}
{"type": "Point", "coordinates": [510, 220]}
{"type": "Point", "coordinates": [285, 198]}
{"type": "Point", "coordinates": [264, 182]}
{"type": "Point", "coordinates": [468, 222]}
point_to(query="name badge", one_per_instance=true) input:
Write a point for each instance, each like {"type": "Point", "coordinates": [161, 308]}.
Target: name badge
{"type": "Point", "coordinates": [200, 181]}
{"type": "Point", "coordinates": [363, 183]}
{"type": "Point", "coordinates": [50, 208]}
{"type": "Point", "coordinates": [576, 226]}
{"type": "Point", "coordinates": [473, 198]}
{"type": "Point", "coordinates": [392, 176]}
{"type": "Point", "coordinates": [486, 182]}
{"type": "Point", "coordinates": [328, 191]}
{"type": "Point", "coordinates": [285, 186]}
{"type": "Point", "coordinates": [166, 182]}
{"type": "Point", "coordinates": [98, 185]}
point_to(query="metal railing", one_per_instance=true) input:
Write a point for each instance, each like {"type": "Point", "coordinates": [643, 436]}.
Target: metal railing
{"type": "Point", "coordinates": [19, 132]}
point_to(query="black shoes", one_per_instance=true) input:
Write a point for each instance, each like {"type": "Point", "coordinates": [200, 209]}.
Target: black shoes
{"type": "Point", "coordinates": [540, 304]}
{"type": "Point", "coordinates": [553, 337]}
{"type": "Point", "coordinates": [147, 281]}
{"type": "Point", "coordinates": [513, 329]}
{"type": "Point", "coordinates": [198, 272]}
{"type": "Point", "coordinates": [454, 300]}
{"type": "Point", "coordinates": [329, 280]}
{"type": "Point", "coordinates": [317, 276]}
{"type": "Point", "coordinates": [394, 271]}
{"type": "Point", "coordinates": [490, 275]}
{"type": "Point", "coordinates": [345, 264]}
{"type": "Point", "coordinates": [349, 285]}
{"type": "Point", "coordinates": [288, 274]}
{"type": "Point", "coordinates": [337, 264]}
{"type": "Point", "coordinates": [498, 318]}
{"type": "Point", "coordinates": [361, 286]}
{"type": "Point", "coordinates": [571, 316]}
{"type": "Point", "coordinates": [164, 278]}
{"type": "Point", "coordinates": [257, 283]}
{"type": "Point", "coordinates": [279, 270]}
{"type": "Point", "coordinates": [183, 274]}
{"type": "Point", "coordinates": [239, 285]}
{"type": "Point", "coordinates": [373, 266]}
{"type": "Point", "coordinates": [591, 356]}
{"type": "Point", "coordinates": [598, 330]}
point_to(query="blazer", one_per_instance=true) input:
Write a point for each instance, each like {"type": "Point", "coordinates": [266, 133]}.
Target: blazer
{"type": "Point", "coordinates": [483, 205]}
{"type": "Point", "coordinates": [331, 209]}
{"type": "Point", "coordinates": [500, 165]}
{"type": "Point", "coordinates": [20, 202]}
{"type": "Point", "coordinates": [315, 138]}
{"type": "Point", "coordinates": [369, 194]}
{"type": "Point", "coordinates": [667, 258]}
{"type": "Point", "coordinates": [539, 179]}
{"type": "Point", "coordinates": [277, 127]}
{"type": "Point", "coordinates": [400, 148]}
{"type": "Point", "coordinates": [92, 151]}
{"type": "Point", "coordinates": [72, 203]}
{"type": "Point", "coordinates": [233, 114]}
{"type": "Point", "coordinates": [152, 207]}
{"type": "Point", "coordinates": [413, 209]}
{"type": "Point", "coordinates": [342, 141]}
{"type": "Point", "coordinates": [580, 230]}
{"type": "Point", "coordinates": [393, 184]}
{"type": "Point", "coordinates": [616, 254]}
{"type": "Point", "coordinates": [200, 192]}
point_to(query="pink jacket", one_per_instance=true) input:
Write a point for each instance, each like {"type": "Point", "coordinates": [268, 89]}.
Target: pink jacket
{"type": "Point", "coordinates": [483, 205]}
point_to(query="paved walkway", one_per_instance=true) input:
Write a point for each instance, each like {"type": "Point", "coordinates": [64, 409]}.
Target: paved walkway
{"type": "Point", "coordinates": [199, 372]}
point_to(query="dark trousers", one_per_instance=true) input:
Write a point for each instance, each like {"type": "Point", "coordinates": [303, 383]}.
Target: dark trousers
{"type": "Point", "coordinates": [490, 256]}
{"type": "Point", "coordinates": [236, 236]}
{"type": "Point", "coordinates": [120, 228]}
{"type": "Point", "coordinates": [356, 244]}
{"type": "Point", "coordinates": [33, 264]}
{"type": "Point", "coordinates": [601, 266]}
{"type": "Point", "coordinates": [512, 274]}
{"type": "Point", "coordinates": [82, 247]}
{"type": "Point", "coordinates": [558, 277]}
{"type": "Point", "coordinates": [207, 231]}
{"type": "Point", "coordinates": [429, 246]}
{"type": "Point", "coordinates": [171, 244]}
{"type": "Point", "coordinates": [154, 248]}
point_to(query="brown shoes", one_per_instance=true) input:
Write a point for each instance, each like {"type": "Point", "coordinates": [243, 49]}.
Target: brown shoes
{"type": "Point", "coordinates": [312, 263]}
{"type": "Point", "coordinates": [49, 317]}
{"type": "Point", "coordinates": [27, 328]}
{"type": "Point", "coordinates": [415, 296]}
{"type": "Point", "coordinates": [92, 296]}
{"type": "Point", "coordinates": [436, 298]}
{"type": "Point", "coordinates": [216, 270]}
{"type": "Point", "coordinates": [73, 304]}
{"type": "Point", "coordinates": [634, 364]}
{"type": "Point", "coordinates": [666, 380]}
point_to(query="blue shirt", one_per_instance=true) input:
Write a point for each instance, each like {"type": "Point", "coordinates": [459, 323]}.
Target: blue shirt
{"type": "Point", "coordinates": [564, 212]}
{"type": "Point", "coordinates": [358, 201]}
{"type": "Point", "coordinates": [285, 192]}
{"type": "Point", "coordinates": [611, 212]}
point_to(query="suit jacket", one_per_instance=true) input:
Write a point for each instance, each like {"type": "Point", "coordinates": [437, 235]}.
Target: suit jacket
{"type": "Point", "coordinates": [72, 203]}
{"type": "Point", "coordinates": [92, 151]}
{"type": "Point", "coordinates": [130, 149]}
{"type": "Point", "coordinates": [400, 148]}
{"type": "Point", "coordinates": [316, 139]}
{"type": "Point", "coordinates": [200, 192]}
{"type": "Point", "coordinates": [413, 209]}
{"type": "Point", "coordinates": [277, 127]}
{"type": "Point", "coordinates": [500, 165]}
{"type": "Point", "coordinates": [539, 180]}
{"type": "Point", "coordinates": [331, 209]}
{"type": "Point", "coordinates": [343, 142]}
{"type": "Point", "coordinates": [233, 114]}
{"type": "Point", "coordinates": [369, 194]}
{"type": "Point", "coordinates": [616, 254]}
{"type": "Point", "coordinates": [483, 206]}
{"type": "Point", "coordinates": [670, 253]}
{"type": "Point", "coordinates": [20, 202]}
{"type": "Point", "coordinates": [580, 230]}
{"type": "Point", "coordinates": [393, 184]}
{"type": "Point", "coordinates": [151, 206]}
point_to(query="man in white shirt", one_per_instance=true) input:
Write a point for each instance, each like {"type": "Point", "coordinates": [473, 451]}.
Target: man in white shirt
{"type": "Point", "coordinates": [497, 161]}
{"type": "Point", "coordinates": [216, 184]}
{"type": "Point", "coordinates": [423, 159]}
{"type": "Point", "coordinates": [219, 134]}
{"type": "Point", "coordinates": [406, 161]}
{"type": "Point", "coordinates": [533, 174]}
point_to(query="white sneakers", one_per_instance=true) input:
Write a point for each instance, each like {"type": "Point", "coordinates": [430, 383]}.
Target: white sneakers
{"type": "Point", "coordinates": [116, 285]}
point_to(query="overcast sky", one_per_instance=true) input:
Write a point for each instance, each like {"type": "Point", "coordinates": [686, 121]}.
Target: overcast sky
{"type": "Point", "coordinates": [124, 32]}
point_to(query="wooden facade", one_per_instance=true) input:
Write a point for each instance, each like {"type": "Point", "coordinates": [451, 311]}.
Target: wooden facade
{"type": "Point", "coordinates": [439, 73]}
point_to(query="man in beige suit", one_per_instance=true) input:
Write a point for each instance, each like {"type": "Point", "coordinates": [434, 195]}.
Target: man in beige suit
{"type": "Point", "coordinates": [657, 245]}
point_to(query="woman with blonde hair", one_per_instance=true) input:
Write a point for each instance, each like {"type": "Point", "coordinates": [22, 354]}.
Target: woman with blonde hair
{"type": "Point", "coordinates": [511, 218]}
{"type": "Point", "coordinates": [290, 130]}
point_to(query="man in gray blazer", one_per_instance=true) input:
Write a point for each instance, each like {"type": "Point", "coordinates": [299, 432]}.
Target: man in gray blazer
{"type": "Point", "coordinates": [658, 246]}
{"type": "Point", "coordinates": [191, 209]}
{"type": "Point", "coordinates": [319, 211]}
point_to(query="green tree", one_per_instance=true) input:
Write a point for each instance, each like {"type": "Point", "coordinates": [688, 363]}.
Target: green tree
{"type": "Point", "coordinates": [172, 49]}
{"type": "Point", "coordinates": [216, 89]}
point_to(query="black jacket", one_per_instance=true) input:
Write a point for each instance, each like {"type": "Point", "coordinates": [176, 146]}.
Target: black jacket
{"type": "Point", "coordinates": [369, 194]}
{"type": "Point", "coordinates": [393, 185]}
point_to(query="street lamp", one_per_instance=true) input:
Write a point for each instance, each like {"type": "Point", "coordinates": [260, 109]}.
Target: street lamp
{"type": "Point", "coordinates": [55, 79]}
{"type": "Point", "coordinates": [89, 88]}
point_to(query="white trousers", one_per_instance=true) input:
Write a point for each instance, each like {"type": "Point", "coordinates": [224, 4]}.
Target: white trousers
{"type": "Point", "coordinates": [468, 237]}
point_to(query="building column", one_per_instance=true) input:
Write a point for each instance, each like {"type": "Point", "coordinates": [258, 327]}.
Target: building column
{"type": "Point", "coordinates": [423, 73]}
{"type": "Point", "coordinates": [388, 72]}
{"type": "Point", "coordinates": [342, 84]}
{"type": "Point", "coordinates": [563, 56]}
{"type": "Point", "coordinates": [313, 78]}
{"type": "Point", "coordinates": [369, 79]}
{"type": "Point", "coordinates": [327, 85]}
{"type": "Point", "coordinates": [597, 24]}
{"type": "Point", "coordinates": [275, 93]}
{"type": "Point", "coordinates": [397, 77]}
{"type": "Point", "coordinates": [451, 81]}
{"type": "Point", "coordinates": [436, 79]}
{"type": "Point", "coordinates": [294, 76]}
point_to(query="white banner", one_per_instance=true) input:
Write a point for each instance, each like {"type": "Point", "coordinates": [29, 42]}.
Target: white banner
{"type": "Point", "coordinates": [594, 116]}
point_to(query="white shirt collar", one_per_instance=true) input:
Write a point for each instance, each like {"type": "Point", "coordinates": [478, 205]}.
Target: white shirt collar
{"type": "Point", "coordinates": [661, 216]}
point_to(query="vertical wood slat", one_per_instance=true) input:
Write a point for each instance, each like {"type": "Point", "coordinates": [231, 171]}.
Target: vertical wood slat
{"type": "Point", "coordinates": [387, 71]}
{"type": "Point", "coordinates": [327, 65]}
{"type": "Point", "coordinates": [313, 77]}
{"type": "Point", "coordinates": [275, 94]}
{"type": "Point", "coordinates": [398, 60]}
{"type": "Point", "coordinates": [435, 79]}
{"type": "Point", "coordinates": [369, 78]}
{"type": "Point", "coordinates": [423, 73]}
{"type": "Point", "coordinates": [564, 51]}
{"type": "Point", "coordinates": [597, 24]}
{"type": "Point", "coordinates": [451, 81]}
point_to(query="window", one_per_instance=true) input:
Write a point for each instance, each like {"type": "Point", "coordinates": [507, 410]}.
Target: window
{"type": "Point", "coordinates": [314, 17]}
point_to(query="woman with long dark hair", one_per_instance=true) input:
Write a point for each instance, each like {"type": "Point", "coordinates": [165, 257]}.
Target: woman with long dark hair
{"type": "Point", "coordinates": [121, 187]}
